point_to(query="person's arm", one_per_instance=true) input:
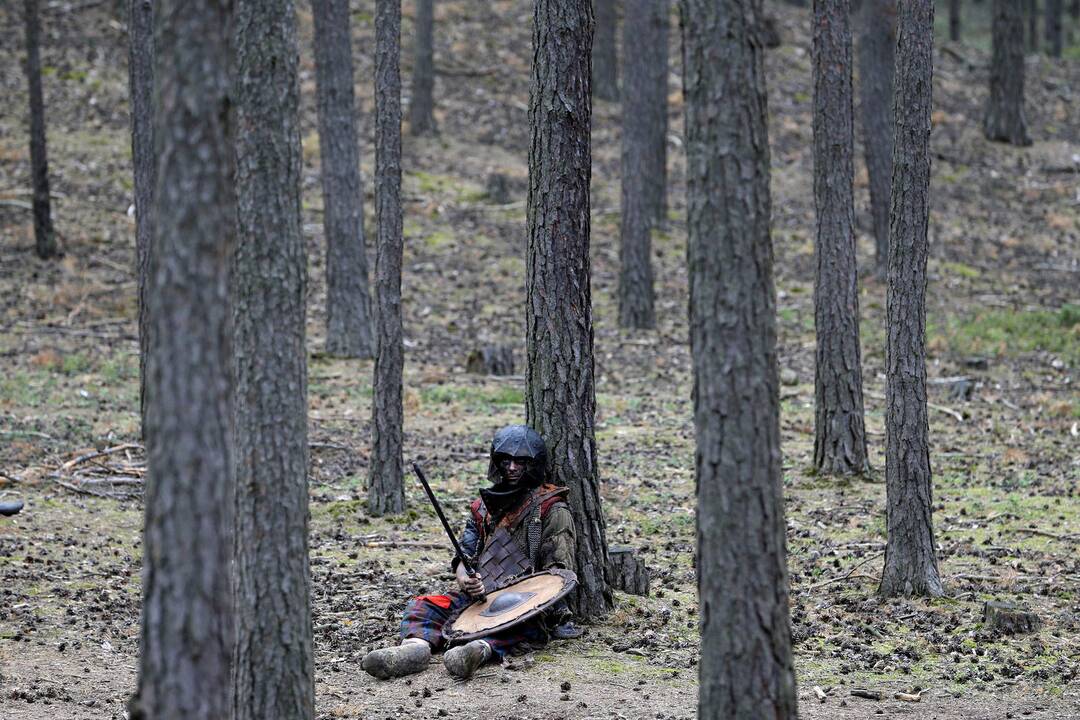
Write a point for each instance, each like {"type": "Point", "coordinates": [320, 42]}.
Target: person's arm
{"type": "Point", "coordinates": [558, 546]}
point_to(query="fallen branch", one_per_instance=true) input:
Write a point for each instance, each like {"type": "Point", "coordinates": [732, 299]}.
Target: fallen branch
{"type": "Point", "coordinates": [934, 406]}
{"type": "Point", "coordinates": [1043, 533]}
{"type": "Point", "coordinates": [99, 453]}
{"type": "Point", "coordinates": [849, 573]}
{"type": "Point", "coordinates": [868, 694]}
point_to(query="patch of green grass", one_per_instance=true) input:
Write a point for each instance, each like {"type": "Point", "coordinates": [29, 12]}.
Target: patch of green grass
{"type": "Point", "coordinates": [964, 271]}
{"type": "Point", "coordinates": [1008, 332]}
{"type": "Point", "coordinates": [75, 364]}
{"type": "Point", "coordinates": [472, 396]}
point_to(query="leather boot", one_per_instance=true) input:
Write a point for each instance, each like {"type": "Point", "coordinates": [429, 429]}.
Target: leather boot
{"type": "Point", "coordinates": [462, 661]}
{"type": "Point", "coordinates": [412, 656]}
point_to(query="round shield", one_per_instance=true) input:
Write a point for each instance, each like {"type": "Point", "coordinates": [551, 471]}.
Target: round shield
{"type": "Point", "coordinates": [517, 602]}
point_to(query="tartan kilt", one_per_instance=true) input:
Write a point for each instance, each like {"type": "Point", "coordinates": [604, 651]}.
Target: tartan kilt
{"type": "Point", "coordinates": [425, 617]}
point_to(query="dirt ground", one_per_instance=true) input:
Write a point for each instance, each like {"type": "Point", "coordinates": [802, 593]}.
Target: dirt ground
{"type": "Point", "coordinates": [1004, 348]}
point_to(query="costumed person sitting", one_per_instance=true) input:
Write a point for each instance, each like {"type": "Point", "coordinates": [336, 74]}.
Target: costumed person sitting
{"type": "Point", "coordinates": [521, 524]}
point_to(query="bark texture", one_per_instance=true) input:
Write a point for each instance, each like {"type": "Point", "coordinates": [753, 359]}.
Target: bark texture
{"type": "Point", "coordinates": [560, 396]}
{"type": "Point", "coordinates": [1053, 27]}
{"type": "Point", "coordinates": [386, 491]}
{"type": "Point", "coordinates": [910, 558]}
{"type": "Point", "coordinates": [635, 245]}
{"type": "Point", "coordinates": [187, 610]}
{"type": "Point", "coordinates": [44, 237]}
{"type": "Point", "coordinates": [746, 666]}
{"type": "Point", "coordinates": [348, 303]}
{"type": "Point", "coordinates": [605, 74]}
{"type": "Point", "coordinates": [877, 46]}
{"type": "Point", "coordinates": [273, 669]}
{"type": "Point", "coordinates": [1033, 24]}
{"type": "Point", "coordinates": [141, 82]}
{"type": "Point", "coordinates": [1004, 118]}
{"type": "Point", "coordinates": [839, 429]}
{"type": "Point", "coordinates": [954, 20]}
{"type": "Point", "coordinates": [422, 107]}
{"type": "Point", "coordinates": [655, 51]}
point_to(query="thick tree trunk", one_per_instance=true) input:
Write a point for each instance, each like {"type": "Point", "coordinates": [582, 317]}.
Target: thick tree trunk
{"type": "Point", "coordinates": [877, 44]}
{"type": "Point", "coordinates": [655, 50]}
{"type": "Point", "coordinates": [141, 86]}
{"type": "Point", "coordinates": [1033, 25]}
{"type": "Point", "coordinates": [635, 252]}
{"type": "Point", "coordinates": [422, 108]}
{"type": "Point", "coordinates": [839, 429]}
{"type": "Point", "coordinates": [44, 237]}
{"type": "Point", "coordinates": [273, 669]}
{"type": "Point", "coordinates": [1004, 118]}
{"type": "Point", "coordinates": [386, 490]}
{"type": "Point", "coordinates": [560, 398]}
{"type": "Point", "coordinates": [746, 663]}
{"type": "Point", "coordinates": [1053, 27]}
{"type": "Point", "coordinates": [605, 74]}
{"type": "Point", "coordinates": [187, 610]}
{"type": "Point", "coordinates": [954, 20]}
{"type": "Point", "coordinates": [348, 303]}
{"type": "Point", "coordinates": [910, 559]}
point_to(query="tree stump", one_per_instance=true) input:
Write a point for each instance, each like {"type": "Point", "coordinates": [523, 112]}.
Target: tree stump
{"type": "Point", "coordinates": [1009, 619]}
{"type": "Point", "coordinates": [491, 360]}
{"type": "Point", "coordinates": [626, 572]}
{"type": "Point", "coordinates": [498, 189]}
{"type": "Point", "coordinates": [770, 32]}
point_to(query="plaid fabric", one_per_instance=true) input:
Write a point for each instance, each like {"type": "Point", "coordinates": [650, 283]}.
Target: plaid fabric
{"type": "Point", "coordinates": [425, 618]}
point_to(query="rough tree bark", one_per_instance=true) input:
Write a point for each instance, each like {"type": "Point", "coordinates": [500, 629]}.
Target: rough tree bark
{"type": "Point", "coordinates": [141, 86]}
{"type": "Point", "coordinates": [560, 397]}
{"type": "Point", "coordinates": [655, 50]}
{"type": "Point", "coordinates": [877, 45]}
{"type": "Point", "coordinates": [635, 251]}
{"type": "Point", "coordinates": [422, 107]}
{"type": "Point", "coordinates": [910, 559]}
{"type": "Point", "coordinates": [605, 73]}
{"type": "Point", "coordinates": [44, 236]}
{"type": "Point", "coordinates": [386, 489]}
{"type": "Point", "coordinates": [187, 610]}
{"type": "Point", "coordinates": [1004, 119]}
{"type": "Point", "coordinates": [839, 429]}
{"type": "Point", "coordinates": [348, 303]}
{"type": "Point", "coordinates": [1053, 27]}
{"type": "Point", "coordinates": [1033, 25]}
{"type": "Point", "coordinates": [954, 20]}
{"type": "Point", "coordinates": [746, 665]}
{"type": "Point", "coordinates": [273, 669]}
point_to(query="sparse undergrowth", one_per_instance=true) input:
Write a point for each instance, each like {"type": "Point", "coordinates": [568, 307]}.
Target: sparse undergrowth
{"type": "Point", "coordinates": [1003, 315]}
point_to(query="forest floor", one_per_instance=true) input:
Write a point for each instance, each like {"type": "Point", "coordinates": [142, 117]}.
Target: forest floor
{"type": "Point", "coordinates": [1003, 313]}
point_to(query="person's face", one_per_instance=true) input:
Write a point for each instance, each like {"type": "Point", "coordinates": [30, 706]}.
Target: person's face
{"type": "Point", "coordinates": [513, 468]}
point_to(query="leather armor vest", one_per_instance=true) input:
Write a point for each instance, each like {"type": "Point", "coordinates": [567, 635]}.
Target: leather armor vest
{"type": "Point", "coordinates": [503, 560]}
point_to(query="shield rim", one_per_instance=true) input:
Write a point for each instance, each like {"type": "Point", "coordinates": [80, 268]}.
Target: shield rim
{"type": "Point", "coordinates": [569, 584]}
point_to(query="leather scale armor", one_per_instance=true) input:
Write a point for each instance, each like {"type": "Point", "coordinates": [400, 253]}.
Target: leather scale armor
{"type": "Point", "coordinates": [503, 560]}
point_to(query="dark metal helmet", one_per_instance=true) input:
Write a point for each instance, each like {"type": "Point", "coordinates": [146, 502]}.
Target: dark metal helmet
{"type": "Point", "coordinates": [519, 441]}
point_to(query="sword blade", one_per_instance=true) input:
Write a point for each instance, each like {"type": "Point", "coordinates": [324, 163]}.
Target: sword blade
{"type": "Point", "coordinates": [446, 525]}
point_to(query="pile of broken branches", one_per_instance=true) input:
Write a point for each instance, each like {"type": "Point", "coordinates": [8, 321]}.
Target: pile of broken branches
{"type": "Point", "coordinates": [116, 472]}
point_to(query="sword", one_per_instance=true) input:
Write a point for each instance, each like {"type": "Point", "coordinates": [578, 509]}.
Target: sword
{"type": "Point", "coordinates": [469, 567]}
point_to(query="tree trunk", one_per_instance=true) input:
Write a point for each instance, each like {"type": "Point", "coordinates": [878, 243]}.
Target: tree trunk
{"type": "Point", "coordinates": [422, 108]}
{"type": "Point", "coordinates": [839, 430]}
{"type": "Point", "coordinates": [1004, 118]}
{"type": "Point", "coordinates": [910, 560]}
{"type": "Point", "coordinates": [273, 669]}
{"type": "Point", "coordinates": [1033, 25]}
{"type": "Point", "coordinates": [386, 491]}
{"type": "Point", "coordinates": [746, 665]}
{"type": "Point", "coordinates": [605, 74]}
{"type": "Point", "coordinates": [1053, 28]}
{"type": "Point", "coordinates": [954, 20]}
{"type": "Point", "coordinates": [877, 44]}
{"type": "Point", "coordinates": [348, 304]}
{"type": "Point", "coordinates": [655, 49]}
{"type": "Point", "coordinates": [144, 161]}
{"type": "Point", "coordinates": [560, 397]}
{"type": "Point", "coordinates": [187, 610]}
{"type": "Point", "coordinates": [635, 253]}
{"type": "Point", "coordinates": [44, 237]}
